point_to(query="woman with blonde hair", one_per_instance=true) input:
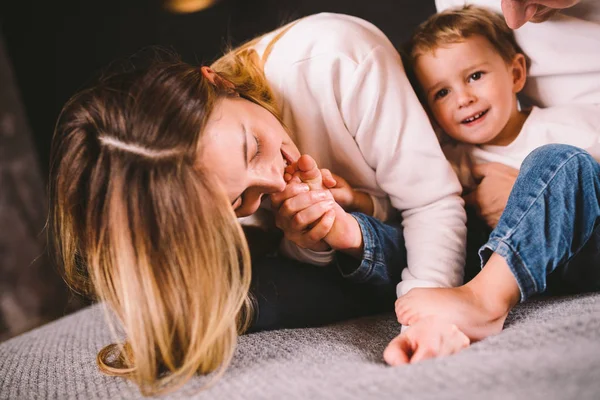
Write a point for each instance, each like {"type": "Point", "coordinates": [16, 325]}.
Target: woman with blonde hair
{"type": "Point", "coordinates": [153, 166]}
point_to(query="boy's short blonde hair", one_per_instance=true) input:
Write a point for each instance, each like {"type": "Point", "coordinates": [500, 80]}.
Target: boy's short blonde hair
{"type": "Point", "coordinates": [457, 24]}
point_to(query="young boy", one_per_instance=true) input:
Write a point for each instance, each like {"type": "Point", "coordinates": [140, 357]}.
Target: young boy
{"type": "Point", "coordinates": [470, 70]}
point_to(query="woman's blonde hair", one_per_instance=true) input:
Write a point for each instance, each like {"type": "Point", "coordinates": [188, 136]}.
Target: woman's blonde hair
{"type": "Point", "coordinates": [136, 222]}
{"type": "Point", "coordinates": [457, 24]}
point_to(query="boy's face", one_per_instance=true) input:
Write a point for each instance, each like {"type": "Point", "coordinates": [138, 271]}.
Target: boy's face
{"type": "Point", "coordinates": [471, 90]}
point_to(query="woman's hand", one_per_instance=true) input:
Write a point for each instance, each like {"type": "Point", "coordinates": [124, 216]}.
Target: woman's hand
{"type": "Point", "coordinates": [305, 216]}
{"type": "Point", "coordinates": [345, 234]}
{"type": "Point", "coordinates": [429, 338]}
{"type": "Point", "coordinates": [313, 220]}
{"type": "Point", "coordinates": [518, 12]}
{"type": "Point", "coordinates": [491, 195]}
{"type": "Point", "coordinates": [308, 214]}
{"type": "Point", "coordinates": [298, 217]}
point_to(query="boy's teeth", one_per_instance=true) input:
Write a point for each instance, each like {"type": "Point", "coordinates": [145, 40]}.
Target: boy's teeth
{"type": "Point", "coordinates": [474, 117]}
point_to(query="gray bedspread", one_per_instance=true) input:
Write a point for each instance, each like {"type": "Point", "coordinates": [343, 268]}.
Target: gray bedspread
{"type": "Point", "coordinates": [550, 349]}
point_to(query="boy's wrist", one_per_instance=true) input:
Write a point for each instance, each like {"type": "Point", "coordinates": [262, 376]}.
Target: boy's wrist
{"type": "Point", "coordinates": [353, 242]}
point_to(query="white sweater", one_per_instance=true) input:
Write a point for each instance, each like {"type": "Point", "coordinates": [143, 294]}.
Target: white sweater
{"type": "Point", "coordinates": [577, 125]}
{"type": "Point", "coordinates": [344, 95]}
{"type": "Point", "coordinates": [565, 53]}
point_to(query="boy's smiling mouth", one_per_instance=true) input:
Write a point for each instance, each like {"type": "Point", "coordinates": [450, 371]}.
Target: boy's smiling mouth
{"type": "Point", "coordinates": [474, 117]}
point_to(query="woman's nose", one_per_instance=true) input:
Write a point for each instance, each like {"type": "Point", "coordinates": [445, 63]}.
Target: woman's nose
{"type": "Point", "coordinates": [267, 182]}
{"type": "Point", "coordinates": [276, 183]}
{"type": "Point", "coordinates": [270, 180]}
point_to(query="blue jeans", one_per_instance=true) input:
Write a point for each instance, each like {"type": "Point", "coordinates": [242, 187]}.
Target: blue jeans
{"type": "Point", "coordinates": [291, 294]}
{"type": "Point", "coordinates": [549, 232]}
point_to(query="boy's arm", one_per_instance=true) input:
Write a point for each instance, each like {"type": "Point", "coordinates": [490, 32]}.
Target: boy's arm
{"type": "Point", "coordinates": [383, 255]}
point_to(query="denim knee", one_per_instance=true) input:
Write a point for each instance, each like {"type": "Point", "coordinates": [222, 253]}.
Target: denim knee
{"type": "Point", "coordinates": [552, 154]}
{"type": "Point", "coordinates": [551, 212]}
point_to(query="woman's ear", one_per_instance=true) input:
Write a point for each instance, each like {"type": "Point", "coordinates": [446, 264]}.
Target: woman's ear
{"type": "Point", "coordinates": [217, 80]}
{"type": "Point", "coordinates": [519, 72]}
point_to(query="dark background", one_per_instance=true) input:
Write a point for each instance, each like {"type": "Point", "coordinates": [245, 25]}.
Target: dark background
{"type": "Point", "coordinates": [56, 46]}
{"type": "Point", "coordinates": [51, 48]}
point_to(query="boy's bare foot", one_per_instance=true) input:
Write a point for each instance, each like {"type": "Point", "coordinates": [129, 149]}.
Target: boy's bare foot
{"type": "Point", "coordinates": [457, 305]}
{"type": "Point", "coordinates": [478, 308]}
{"type": "Point", "coordinates": [307, 170]}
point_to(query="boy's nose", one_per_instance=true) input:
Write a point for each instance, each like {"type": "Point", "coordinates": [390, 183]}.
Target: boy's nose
{"type": "Point", "coordinates": [466, 98]}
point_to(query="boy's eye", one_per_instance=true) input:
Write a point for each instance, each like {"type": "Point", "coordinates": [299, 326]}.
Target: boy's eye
{"type": "Point", "coordinates": [441, 93]}
{"type": "Point", "coordinates": [475, 76]}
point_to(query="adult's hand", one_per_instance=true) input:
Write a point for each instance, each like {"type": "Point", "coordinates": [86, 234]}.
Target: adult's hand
{"type": "Point", "coordinates": [429, 338]}
{"type": "Point", "coordinates": [491, 195]}
{"type": "Point", "coordinates": [308, 214]}
{"type": "Point", "coordinates": [518, 12]}
{"type": "Point", "coordinates": [305, 216]}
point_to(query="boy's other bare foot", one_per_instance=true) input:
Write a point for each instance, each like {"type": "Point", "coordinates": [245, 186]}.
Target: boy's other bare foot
{"type": "Point", "coordinates": [478, 308]}
{"type": "Point", "coordinates": [457, 305]}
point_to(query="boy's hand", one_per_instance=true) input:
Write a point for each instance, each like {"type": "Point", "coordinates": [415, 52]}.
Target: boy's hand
{"type": "Point", "coordinates": [345, 196]}
{"type": "Point", "coordinates": [428, 338]}
{"type": "Point", "coordinates": [491, 195]}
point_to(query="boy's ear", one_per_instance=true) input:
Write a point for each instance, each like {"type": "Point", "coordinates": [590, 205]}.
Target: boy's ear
{"type": "Point", "coordinates": [217, 80]}
{"type": "Point", "coordinates": [519, 72]}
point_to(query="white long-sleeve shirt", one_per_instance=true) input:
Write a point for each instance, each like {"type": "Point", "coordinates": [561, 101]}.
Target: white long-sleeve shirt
{"type": "Point", "coordinates": [564, 52]}
{"type": "Point", "coordinates": [346, 99]}
{"type": "Point", "coordinates": [576, 125]}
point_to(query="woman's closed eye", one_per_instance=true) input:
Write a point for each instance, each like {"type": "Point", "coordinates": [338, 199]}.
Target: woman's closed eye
{"type": "Point", "coordinates": [238, 203]}
{"type": "Point", "coordinates": [258, 148]}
